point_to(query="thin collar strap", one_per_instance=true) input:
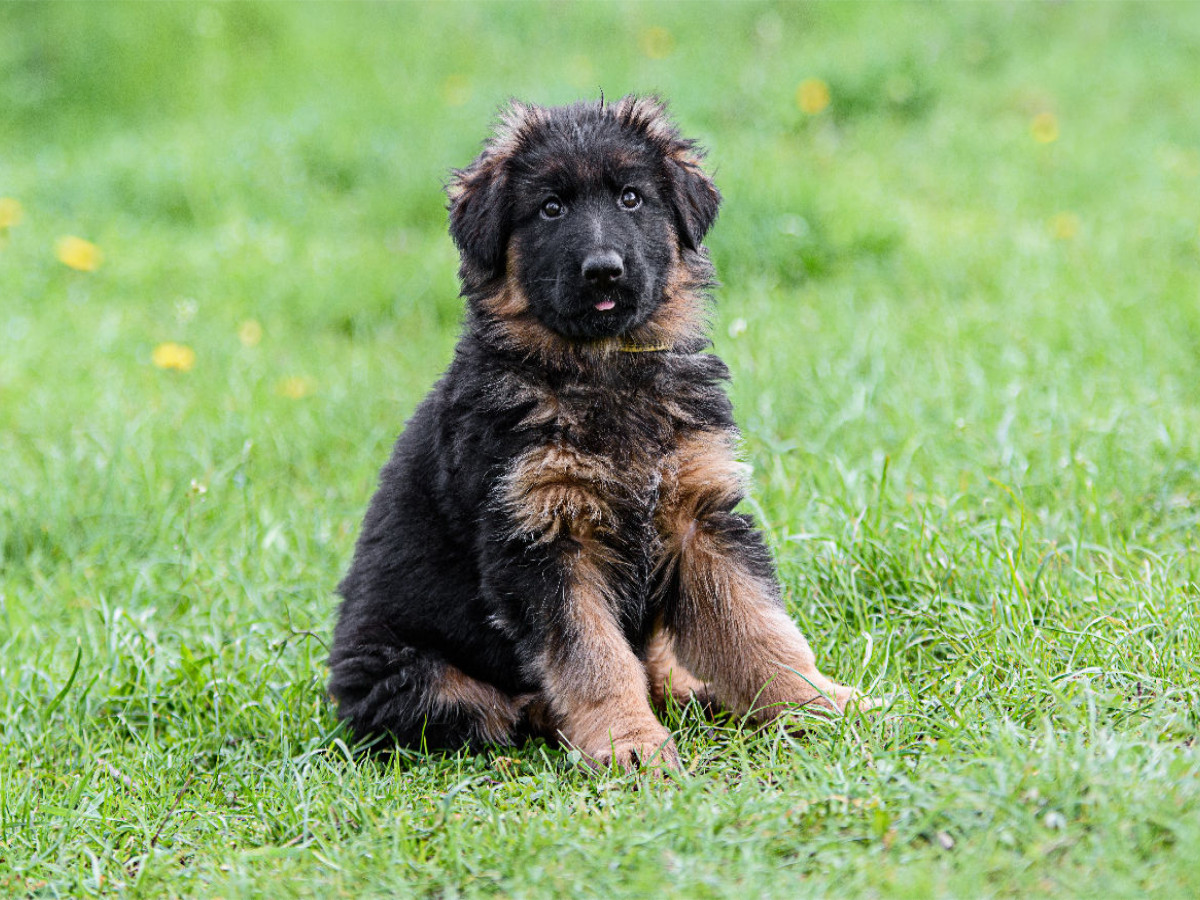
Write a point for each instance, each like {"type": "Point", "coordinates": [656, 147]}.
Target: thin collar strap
{"type": "Point", "coordinates": [643, 348]}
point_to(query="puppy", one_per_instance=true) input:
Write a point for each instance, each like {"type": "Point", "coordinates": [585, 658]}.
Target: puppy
{"type": "Point", "coordinates": [554, 546]}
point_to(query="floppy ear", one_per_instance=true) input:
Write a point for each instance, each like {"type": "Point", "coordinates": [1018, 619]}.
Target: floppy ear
{"type": "Point", "coordinates": [696, 200]}
{"type": "Point", "coordinates": [478, 218]}
{"type": "Point", "coordinates": [693, 195]}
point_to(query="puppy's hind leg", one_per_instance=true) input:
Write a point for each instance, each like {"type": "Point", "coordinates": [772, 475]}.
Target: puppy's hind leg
{"type": "Point", "coordinates": [669, 678]}
{"type": "Point", "coordinates": [726, 618]}
{"type": "Point", "coordinates": [419, 699]}
{"type": "Point", "coordinates": [730, 625]}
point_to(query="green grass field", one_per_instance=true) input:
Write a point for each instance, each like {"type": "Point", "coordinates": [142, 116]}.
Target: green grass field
{"type": "Point", "coordinates": [961, 303]}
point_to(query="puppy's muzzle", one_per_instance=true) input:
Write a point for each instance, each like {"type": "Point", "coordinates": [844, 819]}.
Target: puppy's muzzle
{"type": "Point", "coordinates": [603, 268]}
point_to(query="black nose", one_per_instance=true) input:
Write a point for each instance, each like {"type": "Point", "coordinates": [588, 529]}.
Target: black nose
{"type": "Point", "coordinates": [603, 267]}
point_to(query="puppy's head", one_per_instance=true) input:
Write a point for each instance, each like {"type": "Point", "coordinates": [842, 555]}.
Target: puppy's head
{"type": "Point", "coordinates": [581, 216]}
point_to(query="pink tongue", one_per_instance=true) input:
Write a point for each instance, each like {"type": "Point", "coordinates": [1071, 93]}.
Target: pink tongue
{"type": "Point", "coordinates": [606, 304]}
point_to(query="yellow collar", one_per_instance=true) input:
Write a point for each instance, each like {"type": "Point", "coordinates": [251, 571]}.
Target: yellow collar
{"type": "Point", "coordinates": [643, 348]}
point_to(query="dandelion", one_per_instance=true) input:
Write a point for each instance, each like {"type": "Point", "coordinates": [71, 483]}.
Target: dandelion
{"type": "Point", "coordinates": [77, 253]}
{"type": "Point", "coordinates": [1064, 226]}
{"type": "Point", "coordinates": [1044, 128]}
{"type": "Point", "coordinates": [170, 355]}
{"type": "Point", "coordinates": [736, 327]}
{"type": "Point", "coordinates": [295, 387]}
{"type": "Point", "coordinates": [657, 42]}
{"type": "Point", "coordinates": [812, 96]}
{"type": "Point", "coordinates": [10, 212]}
{"type": "Point", "coordinates": [456, 90]}
{"type": "Point", "coordinates": [250, 333]}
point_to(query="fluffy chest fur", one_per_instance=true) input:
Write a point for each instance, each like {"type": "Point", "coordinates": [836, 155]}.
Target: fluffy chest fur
{"type": "Point", "coordinates": [597, 451]}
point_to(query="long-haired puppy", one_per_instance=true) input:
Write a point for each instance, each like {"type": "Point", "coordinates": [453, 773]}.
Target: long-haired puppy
{"type": "Point", "coordinates": [553, 547]}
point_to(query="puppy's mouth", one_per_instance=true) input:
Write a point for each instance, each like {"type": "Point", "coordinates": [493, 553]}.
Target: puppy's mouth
{"type": "Point", "coordinates": [590, 313]}
{"type": "Point", "coordinates": [612, 299]}
{"type": "Point", "coordinates": [598, 316]}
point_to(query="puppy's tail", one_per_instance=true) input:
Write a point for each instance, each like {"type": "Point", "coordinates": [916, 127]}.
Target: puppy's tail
{"type": "Point", "coordinates": [418, 699]}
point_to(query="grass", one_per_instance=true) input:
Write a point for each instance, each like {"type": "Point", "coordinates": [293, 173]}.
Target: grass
{"type": "Point", "coordinates": [965, 366]}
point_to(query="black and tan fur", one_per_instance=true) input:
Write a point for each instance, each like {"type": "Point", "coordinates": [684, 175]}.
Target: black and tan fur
{"type": "Point", "coordinates": [554, 546]}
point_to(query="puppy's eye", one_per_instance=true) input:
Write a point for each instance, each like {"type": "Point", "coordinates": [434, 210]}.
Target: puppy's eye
{"type": "Point", "coordinates": [553, 208]}
{"type": "Point", "coordinates": [630, 199]}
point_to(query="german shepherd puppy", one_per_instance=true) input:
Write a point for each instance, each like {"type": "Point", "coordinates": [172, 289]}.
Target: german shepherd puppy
{"type": "Point", "coordinates": [554, 546]}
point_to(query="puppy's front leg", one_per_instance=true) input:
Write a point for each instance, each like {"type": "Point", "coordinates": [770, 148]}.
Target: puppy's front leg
{"type": "Point", "coordinates": [555, 501]}
{"type": "Point", "coordinates": [594, 681]}
{"type": "Point", "coordinates": [727, 618]}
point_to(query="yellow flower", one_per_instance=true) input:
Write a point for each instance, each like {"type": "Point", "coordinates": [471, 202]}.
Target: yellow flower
{"type": "Point", "coordinates": [657, 42]}
{"type": "Point", "coordinates": [1044, 128]}
{"type": "Point", "coordinates": [10, 212]}
{"type": "Point", "coordinates": [812, 96]}
{"type": "Point", "coordinates": [250, 333]}
{"type": "Point", "coordinates": [174, 356]}
{"type": "Point", "coordinates": [78, 253]}
{"type": "Point", "coordinates": [1064, 226]}
{"type": "Point", "coordinates": [295, 387]}
{"type": "Point", "coordinates": [456, 90]}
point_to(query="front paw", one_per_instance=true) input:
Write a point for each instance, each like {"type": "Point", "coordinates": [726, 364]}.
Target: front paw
{"type": "Point", "coordinates": [851, 700]}
{"type": "Point", "coordinates": [813, 695]}
{"type": "Point", "coordinates": [648, 749]}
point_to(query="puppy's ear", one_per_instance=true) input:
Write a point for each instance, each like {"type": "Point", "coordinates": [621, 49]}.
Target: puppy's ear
{"type": "Point", "coordinates": [695, 197]}
{"type": "Point", "coordinates": [478, 218]}
{"type": "Point", "coordinates": [479, 207]}
{"type": "Point", "coordinates": [693, 194]}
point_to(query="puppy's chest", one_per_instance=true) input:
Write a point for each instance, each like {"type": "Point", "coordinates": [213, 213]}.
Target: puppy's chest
{"type": "Point", "coordinates": [595, 463]}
